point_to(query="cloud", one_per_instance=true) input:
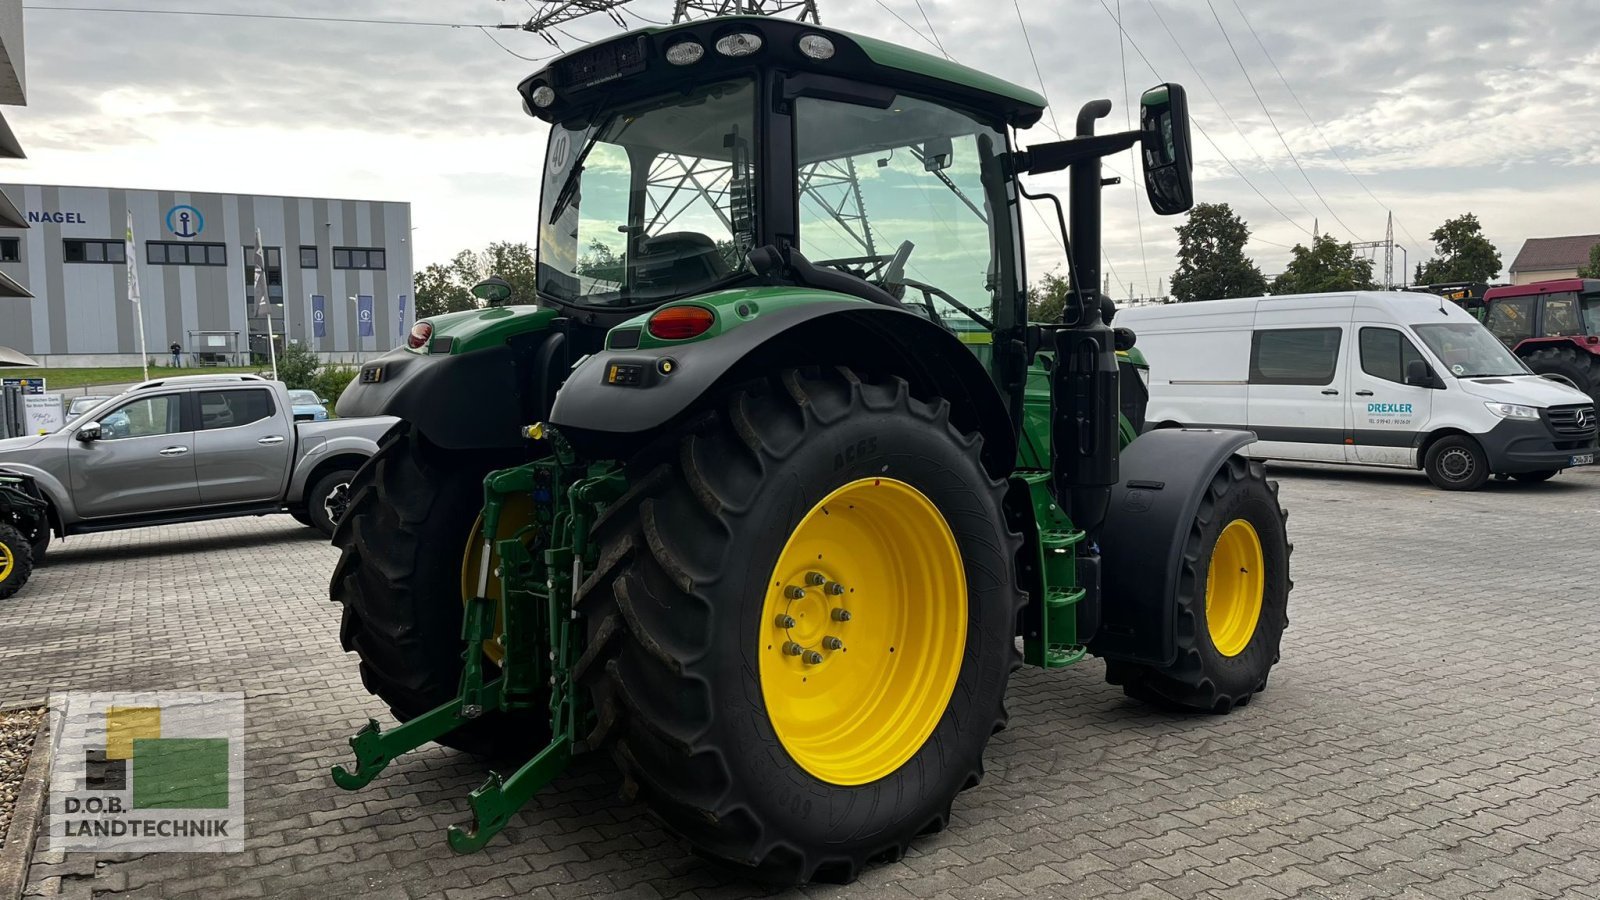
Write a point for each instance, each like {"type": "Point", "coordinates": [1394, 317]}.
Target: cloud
{"type": "Point", "coordinates": [1439, 106]}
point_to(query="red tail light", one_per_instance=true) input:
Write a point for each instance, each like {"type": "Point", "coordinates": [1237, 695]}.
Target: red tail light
{"type": "Point", "coordinates": [420, 333]}
{"type": "Point", "coordinates": [676, 323]}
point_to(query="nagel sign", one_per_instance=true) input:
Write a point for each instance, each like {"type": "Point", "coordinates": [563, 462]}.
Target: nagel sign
{"type": "Point", "coordinates": [57, 217]}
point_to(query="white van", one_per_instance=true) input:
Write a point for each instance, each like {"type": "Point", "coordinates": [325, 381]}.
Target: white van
{"type": "Point", "coordinates": [1370, 377]}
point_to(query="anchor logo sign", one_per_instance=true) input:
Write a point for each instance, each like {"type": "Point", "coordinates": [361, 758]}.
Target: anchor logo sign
{"type": "Point", "coordinates": [185, 221]}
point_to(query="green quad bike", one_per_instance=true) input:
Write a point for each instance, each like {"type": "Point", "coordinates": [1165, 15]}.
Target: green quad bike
{"type": "Point", "coordinates": [24, 531]}
{"type": "Point", "coordinates": [760, 494]}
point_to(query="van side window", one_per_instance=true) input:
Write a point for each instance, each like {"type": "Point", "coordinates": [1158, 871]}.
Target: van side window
{"type": "Point", "coordinates": [1510, 320]}
{"type": "Point", "coordinates": [1385, 353]}
{"type": "Point", "coordinates": [1294, 355]}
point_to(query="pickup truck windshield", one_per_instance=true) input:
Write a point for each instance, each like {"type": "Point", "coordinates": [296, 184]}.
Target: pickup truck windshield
{"type": "Point", "coordinates": [649, 202]}
{"type": "Point", "coordinates": [1468, 350]}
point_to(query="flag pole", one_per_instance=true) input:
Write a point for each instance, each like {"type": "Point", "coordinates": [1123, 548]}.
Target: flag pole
{"type": "Point", "coordinates": [264, 302]}
{"type": "Point", "coordinates": [133, 292]}
{"type": "Point", "coordinates": [272, 345]}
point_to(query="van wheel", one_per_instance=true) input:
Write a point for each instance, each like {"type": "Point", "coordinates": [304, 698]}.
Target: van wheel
{"type": "Point", "coordinates": [1456, 463]}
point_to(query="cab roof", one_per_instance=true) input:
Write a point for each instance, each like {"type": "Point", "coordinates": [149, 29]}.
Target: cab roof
{"type": "Point", "coordinates": [597, 70]}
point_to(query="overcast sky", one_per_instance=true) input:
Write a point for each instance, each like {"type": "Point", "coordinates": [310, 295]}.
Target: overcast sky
{"type": "Point", "coordinates": [1439, 106]}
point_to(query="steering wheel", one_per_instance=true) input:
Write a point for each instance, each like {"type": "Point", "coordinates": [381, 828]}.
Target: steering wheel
{"type": "Point", "coordinates": [877, 267]}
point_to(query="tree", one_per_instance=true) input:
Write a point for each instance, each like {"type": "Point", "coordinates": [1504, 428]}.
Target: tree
{"type": "Point", "coordinates": [1329, 265]}
{"type": "Point", "coordinates": [1464, 253]}
{"type": "Point", "coordinates": [1211, 260]}
{"type": "Point", "coordinates": [1592, 270]}
{"type": "Point", "coordinates": [447, 287]}
{"type": "Point", "coordinates": [1048, 298]}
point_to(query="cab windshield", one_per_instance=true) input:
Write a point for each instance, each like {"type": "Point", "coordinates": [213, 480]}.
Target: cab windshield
{"type": "Point", "coordinates": [1468, 350]}
{"type": "Point", "coordinates": [650, 202]}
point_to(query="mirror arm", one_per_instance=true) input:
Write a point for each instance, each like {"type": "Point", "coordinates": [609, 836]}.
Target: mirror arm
{"type": "Point", "coordinates": [1058, 155]}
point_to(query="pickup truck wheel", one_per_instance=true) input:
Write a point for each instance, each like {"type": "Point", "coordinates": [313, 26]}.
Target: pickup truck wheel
{"type": "Point", "coordinates": [16, 561]}
{"type": "Point", "coordinates": [412, 512]}
{"type": "Point", "coordinates": [328, 500]}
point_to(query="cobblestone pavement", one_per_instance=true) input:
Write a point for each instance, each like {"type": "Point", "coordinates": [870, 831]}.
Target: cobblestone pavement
{"type": "Point", "coordinates": [1430, 732]}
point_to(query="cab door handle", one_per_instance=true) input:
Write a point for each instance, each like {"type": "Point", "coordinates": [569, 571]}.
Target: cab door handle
{"type": "Point", "coordinates": [175, 451]}
{"type": "Point", "coordinates": [1363, 393]}
{"type": "Point", "coordinates": [274, 439]}
{"type": "Point", "coordinates": [1330, 392]}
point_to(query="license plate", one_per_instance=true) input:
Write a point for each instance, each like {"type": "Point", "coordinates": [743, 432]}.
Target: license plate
{"type": "Point", "coordinates": [1582, 459]}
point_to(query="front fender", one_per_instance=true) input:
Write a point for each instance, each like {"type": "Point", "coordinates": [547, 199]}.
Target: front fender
{"type": "Point", "coordinates": [48, 484]}
{"type": "Point", "coordinates": [608, 415]}
{"type": "Point", "coordinates": [1164, 477]}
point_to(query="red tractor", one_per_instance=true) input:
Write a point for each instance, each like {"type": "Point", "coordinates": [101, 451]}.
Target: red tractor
{"type": "Point", "coordinates": [1554, 326]}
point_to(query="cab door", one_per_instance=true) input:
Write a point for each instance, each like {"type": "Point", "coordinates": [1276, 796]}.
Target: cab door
{"type": "Point", "coordinates": [1386, 415]}
{"type": "Point", "coordinates": [242, 447]}
{"type": "Point", "coordinates": [142, 462]}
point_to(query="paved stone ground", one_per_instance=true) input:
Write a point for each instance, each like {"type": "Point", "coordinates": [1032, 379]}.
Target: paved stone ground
{"type": "Point", "coordinates": [1431, 731]}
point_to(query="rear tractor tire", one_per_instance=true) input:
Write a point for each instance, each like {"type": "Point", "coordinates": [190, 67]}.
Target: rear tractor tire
{"type": "Point", "coordinates": [1578, 366]}
{"type": "Point", "coordinates": [16, 561]}
{"type": "Point", "coordinates": [800, 627]}
{"type": "Point", "coordinates": [405, 540]}
{"type": "Point", "coordinates": [1234, 603]}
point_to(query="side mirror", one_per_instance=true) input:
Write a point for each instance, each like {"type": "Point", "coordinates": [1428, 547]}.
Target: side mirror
{"type": "Point", "coordinates": [494, 290]}
{"type": "Point", "coordinates": [1419, 374]}
{"type": "Point", "coordinates": [322, 401]}
{"type": "Point", "coordinates": [1168, 159]}
{"type": "Point", "coordinates": [89, 432]}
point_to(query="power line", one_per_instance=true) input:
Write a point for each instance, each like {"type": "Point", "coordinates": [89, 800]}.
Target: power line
{"type": "Point", "coordinates": [915, 30]}
{"type": "Point", "coordinates": [1133, 154]}
{"type": "Point", "coordinates": [931, 30]}
{"type": "Point", "coordinates": [240, 15]}
{"type": "Point", "coordinates": [1217, 99]}
{"type": "Point", "coordinates": [490, 35]}
{"type": "Point", "coordinates": [1050, 107]}
{"type": "Point", "coordinates": [1201, 128]}
{"type": "Point", "coordinates": [1281, 139]}
{"type": "Point", "coordinates": [1307, 113]}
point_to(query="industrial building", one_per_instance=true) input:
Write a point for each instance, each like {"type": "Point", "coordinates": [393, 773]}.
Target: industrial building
{"type": "Point", "coordinates": [338, 271]}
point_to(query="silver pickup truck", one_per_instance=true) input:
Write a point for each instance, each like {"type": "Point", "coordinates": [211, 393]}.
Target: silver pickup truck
{"type": "Point", "coordinates": [189, 448]}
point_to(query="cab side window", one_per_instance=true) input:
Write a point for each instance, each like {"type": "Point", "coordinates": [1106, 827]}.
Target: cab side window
{"type": "Point", "coordinates": [1294, 355]}
{"type": "Point", "coordinates": [1561, 315]}
{"type": "Point", "coordinates": [1511, 320]}
{"type": "Point", "coordinates": [1385, 354]}
{"type": "Point", "coordinates": [145, 417]}
{"type": "Point", "coordinates": [231, 409]}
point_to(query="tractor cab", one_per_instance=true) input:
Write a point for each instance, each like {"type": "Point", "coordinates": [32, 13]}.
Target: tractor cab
{"type": "Point", "coordinates": [1553, 326]}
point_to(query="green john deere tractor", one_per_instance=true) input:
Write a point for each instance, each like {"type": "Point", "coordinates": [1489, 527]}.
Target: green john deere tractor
{"type": "Point", "coordinates": [760, 494]}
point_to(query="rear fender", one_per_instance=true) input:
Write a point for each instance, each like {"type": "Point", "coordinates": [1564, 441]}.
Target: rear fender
{"type": "Point", "coordinates": [1165, 475]}
{"type": "Point", "coordinates": [1585, 343]}
{"type": "Point", "coordinates": [605, 419]}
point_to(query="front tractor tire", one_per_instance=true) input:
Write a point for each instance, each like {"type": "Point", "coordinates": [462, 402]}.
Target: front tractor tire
{"type": "Point", "coordinates": [1580, 367]}
{"type": "Point", "coordinates": [1233, 599]}
{"type": "Point", "coordinates": [413, 510]}
{"type": "Point", "coordinates": [800, 628]}
{"type": "Point", "coordinates": [16, 561]}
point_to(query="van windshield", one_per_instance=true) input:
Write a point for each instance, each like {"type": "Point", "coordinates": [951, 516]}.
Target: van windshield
{"type": "Point", "coordinates": [1468, 350]}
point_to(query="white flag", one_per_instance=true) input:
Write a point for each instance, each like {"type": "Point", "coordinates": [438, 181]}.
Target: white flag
{"type": "Point", "coordinates": [133, 260]}
{"type": "Point", "coordinates": [261, 278]}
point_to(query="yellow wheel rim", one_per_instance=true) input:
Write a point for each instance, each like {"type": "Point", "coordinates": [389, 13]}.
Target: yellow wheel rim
{"type": "Point", "coordinates": [8, 561]}
{"type": "Point", "coordinates": [515, 515]}
{"type": "Point", "coordinates": [1235, 583]}
{"type": "Point", "coordinates": [862, 631]}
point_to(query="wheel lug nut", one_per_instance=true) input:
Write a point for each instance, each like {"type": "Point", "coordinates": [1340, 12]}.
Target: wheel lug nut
{"type": "Point", "coordinates": [785, 621]}
{"type": "Point", "coordinates": [812, 657]}
{"type": "Point", "coordinates": [832, 643]}
{"type": "Point", "coordinates": [792, 649]}
{"type": "Point", "coordinates": [794, 592]}
{"type": "Point", "coordinates": [833, 588]}
{"type": "Point", "coordinates": [815, 578]}
{"type": "Point", "coordinates": [841, 615]}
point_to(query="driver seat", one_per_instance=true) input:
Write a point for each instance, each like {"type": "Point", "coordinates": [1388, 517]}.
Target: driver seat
{"type": "Point", "coordinates": [678, 258]}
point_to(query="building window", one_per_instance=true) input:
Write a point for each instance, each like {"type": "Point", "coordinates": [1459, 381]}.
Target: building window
{"type": "Point", "coordinates": [358, 258]}
{"type": "Point", "coordinates": [1294, 356]}
{"type": "Point", "coordinates": [10, 249]}
{"type": "Point", "coordinates": [274, 275]}
{"type": "Point", "coordinates": [78, 250]}
{"type": "Point", "coordinates": [308, 257]}
{"type": "Point", "coordinates": [183, 253]}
